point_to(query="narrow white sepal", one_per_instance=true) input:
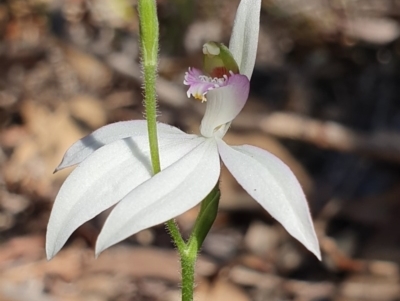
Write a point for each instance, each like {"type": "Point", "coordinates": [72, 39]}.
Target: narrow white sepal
{"type": "Point", "coordinates": [244, 38]}
{"type": "Point", "coordinates": [104, 178]}
{"type": "Point", "coordinates": [273, 185]}
{"type": "Point", "coordinates": [83, 148]}
{"type": "Point", "coordinates": [169, 193]}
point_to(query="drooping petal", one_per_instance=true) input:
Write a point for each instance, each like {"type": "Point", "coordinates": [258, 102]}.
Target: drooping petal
{"type": "Point", "coordinates": [224, 104]}
{"type": "Point", "coordinates": [272, 184]}
{"type": "Point", "coordinates": [169, 193]}
{"type": "Point", "coordinates": [244, 38]}
{"type": "Point", "coordinates": [81, 149]}
{"type": "Point", "coordinates": [104, 178]}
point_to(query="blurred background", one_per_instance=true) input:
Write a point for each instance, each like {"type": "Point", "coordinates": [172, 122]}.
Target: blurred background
{"type": "Point", "coordinates": [324, 98]}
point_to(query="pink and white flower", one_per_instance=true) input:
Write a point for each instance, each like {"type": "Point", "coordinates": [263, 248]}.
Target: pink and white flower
{"type": "Point", "coordinates": [114, 166]}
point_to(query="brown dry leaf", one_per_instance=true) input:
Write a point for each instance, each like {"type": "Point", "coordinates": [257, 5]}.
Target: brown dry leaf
{"type": "Point", "coordinates": [68, 265]}
{"type": "Point", "coordinates": [31, 290]}
{"type": "Point", "coordinates": [92, 72]}
{"type": "Point", "coordinates": [13, 136]}
{"type": "Point", "coordinates": [262, 239]}
{"type": "Point", "coordinates": [21, 248]}
{"type": "Point", "coordinates": [249, 277]}
{"type": "Point", "coordinates": [88, 109]}
{"type": "Point", "coordinates": [365, 287]}
{"type": "Point", "coordinates": [13, 203]}
{"type": "Point", "coordinates": [200, 31]}
{"type": "Point", "coordinates": [379, 31]}
{"type": "Point", "coordinates": [35, 158]}
{"type": "Point", "coordinates": [307, 290]}
{"type": "Point", "coordinates": [104, 285]}
{"type": "Point", "coordinates": [145, 262]}
{"type": "Point", "coordinates": [223, 290]}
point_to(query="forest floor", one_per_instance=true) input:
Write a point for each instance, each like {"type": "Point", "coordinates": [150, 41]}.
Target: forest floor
{"type": "Point", "coordinates": [324, 98]}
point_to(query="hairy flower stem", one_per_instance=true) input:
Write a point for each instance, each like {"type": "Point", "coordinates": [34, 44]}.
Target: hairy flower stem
{"type": "Point", "coordinates": [188, 263]}
{"type": "Point", "coordinates": [149, 51]}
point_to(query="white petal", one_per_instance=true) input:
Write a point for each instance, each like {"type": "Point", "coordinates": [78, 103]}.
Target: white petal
{"type": "Point", "coordinates": [104, 178]}
{"type": "Point", "coordinates": [81, 149]}
{"type": "Point", "coordinates": [224, 104]}
{"type": "Point", "coordinates": [244, 39]}
{"type": "Point", "coordinates": [271, 183]}
{"type": "Point", "coordinates": [169, 193]}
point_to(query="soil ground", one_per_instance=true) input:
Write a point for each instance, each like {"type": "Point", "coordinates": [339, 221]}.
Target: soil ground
{"type": "Point", "coordinates": [324, 98]}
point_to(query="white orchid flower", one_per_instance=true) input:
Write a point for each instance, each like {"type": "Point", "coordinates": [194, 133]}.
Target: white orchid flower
{"type": "Point", "coordinates": [115, 166]}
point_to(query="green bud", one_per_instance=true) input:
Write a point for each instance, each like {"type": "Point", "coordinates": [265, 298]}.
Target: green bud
{"type": "Point", "coordinates": [218, 60]}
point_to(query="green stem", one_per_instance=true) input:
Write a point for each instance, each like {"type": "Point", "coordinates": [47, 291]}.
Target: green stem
{"type": "Point", "coordinates": [149, 50]}
{"type": "Point", "coordinates": [188, 262]}
{"type": "Point", "coordinates": [175, 234]}
{"type": "Point", "coordinates": [151, 115]}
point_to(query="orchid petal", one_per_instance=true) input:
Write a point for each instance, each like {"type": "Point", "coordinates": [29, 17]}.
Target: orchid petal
{"type": "Point", "coordinates": [224, 104]}
{"type": "Point", "coordinates": [104, 178]}
{"type": "Point", "coordinates": [83, 148]}
{"type": "Point", "coordinates": [244, 38]}
{"type": "Point", "coordinates": [273, 185]}
{"type": "Point", "coordinates": [169, 193]}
